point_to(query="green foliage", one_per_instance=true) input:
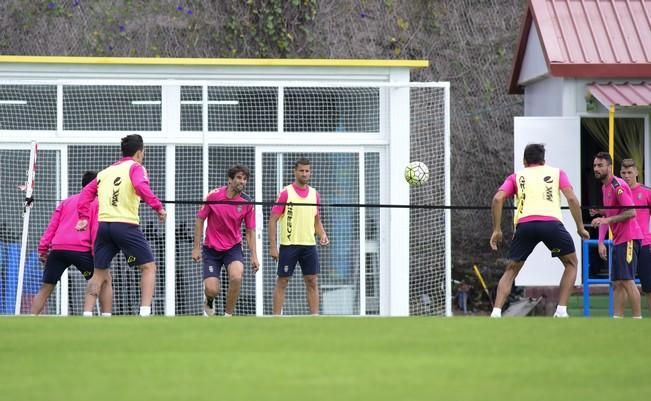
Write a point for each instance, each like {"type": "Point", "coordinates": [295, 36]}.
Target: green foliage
{"type": "Point", "coordinates": [231, 28]}
{"type": "Point", "coordinates": [272, 25]}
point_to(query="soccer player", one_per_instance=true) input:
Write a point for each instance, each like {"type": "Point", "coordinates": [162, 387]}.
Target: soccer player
{"type": "Point", "coordinates": [119, 189]}
{"type": "Point", "coordinates": [641, 197]}
{"type": "Point", "coordinates": [62, 246]}
{"type": "Point", "coordinates": [223, 243]}
{"type": "Point", "coordinates": [538, 218]}
{"type": "Point", "coordinates": [627, 234]}
{"type": "Point", "coordinates": [298, 224]}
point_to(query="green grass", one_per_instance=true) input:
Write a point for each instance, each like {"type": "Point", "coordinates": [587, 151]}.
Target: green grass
{"type": "Point", "coordinates": [470, 358]}
{"type": "Point", "coordinates": [599, 306]}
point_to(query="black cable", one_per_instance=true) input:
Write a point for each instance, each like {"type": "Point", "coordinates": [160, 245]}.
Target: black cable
{"type": "Point", "coordinates": [358, 205]}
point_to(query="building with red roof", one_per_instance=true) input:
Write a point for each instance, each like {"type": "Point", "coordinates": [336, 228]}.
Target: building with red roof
{"type": "Point", "coordinates": [574, 62]}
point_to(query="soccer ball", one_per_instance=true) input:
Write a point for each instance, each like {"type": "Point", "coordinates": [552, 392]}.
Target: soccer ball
{"type": "Point", "coordinates": [416, 174]}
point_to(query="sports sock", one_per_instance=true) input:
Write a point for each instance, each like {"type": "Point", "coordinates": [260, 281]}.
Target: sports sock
{"type": "Point", "coordinates": [145, 311]}
{"type": "Point", "coordinates": [227, 314]}
{"type": "Point", "coordinates": [497, 312]}
{"type": "Point", "coordinates": [637, 317]}
{"type": "Point", "coordinates": [561, 309]}
{"type": "Point", "coordinates": [88, 314]}
{"type": "Point", "coordinates": [106, 314]}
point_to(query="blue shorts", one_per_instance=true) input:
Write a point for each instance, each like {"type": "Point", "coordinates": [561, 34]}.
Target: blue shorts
{"type": "Point", "coordinates": [551, 233]}
{"type": "Point", "coordinates": [213, 260]}
{"type": "Point", "coordinates": [114, 237]}
{"type": "Point", "coordinates": [644, 268]}
{"type": "Point", "coordinates": [58, 261]}
{"type": "Point", "coordinates": [625, 260]}
{"type": "Point", "coordinates": [305, 255]}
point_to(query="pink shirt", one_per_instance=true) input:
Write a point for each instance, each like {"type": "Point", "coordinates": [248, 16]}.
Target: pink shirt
{"type": "Point", "coordinates": [61, 234]}
{"type": "Point", "coordinates": [224, 229]}
{"type": "Point", "coordinates": [282, 198]}
{"type": "Point", "coordinates": [140, 181]}
{"type": "Point", "coordinates": [642, 197]}
{"type": "Point", "coordinates": [509, 187]}
{"type": "Point", "coordinates": [618, 193]}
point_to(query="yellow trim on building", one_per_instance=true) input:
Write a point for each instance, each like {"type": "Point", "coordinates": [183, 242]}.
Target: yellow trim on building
{"type": "Point", "coordinates": [215, 61]}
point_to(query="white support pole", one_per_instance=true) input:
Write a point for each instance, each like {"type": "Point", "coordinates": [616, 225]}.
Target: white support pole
{"type": "Point", "coordinates": [448, 201]}
{"type": "Point", "coordinates": [394, 278]}
{"type": "Point", "coordinates": [171, 123]}
{"type": "Point", "coordinates": [362, 233]}
{"type": "Point", "coordinates": [204, 130]}
{"type": "Point", "coordinates": [170, 231]}
{"type": "Point", "coordinates": [23, 243]}
{"type": "Point", "coordinates": [63, 192]}
{"type": "Point", "coordinates": [259, 226]}
{"type": "Point", "coordinates": [63, 287]}
{"type": "Point", "coordinates": [279, 185]}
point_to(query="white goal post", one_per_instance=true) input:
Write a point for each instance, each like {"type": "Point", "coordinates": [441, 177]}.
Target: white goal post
{"type": "Point", "coordinates": [384, 258]}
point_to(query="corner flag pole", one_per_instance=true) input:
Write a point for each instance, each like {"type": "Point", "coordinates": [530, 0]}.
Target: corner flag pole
{"type": "Point", "coordinates": [29, 188]}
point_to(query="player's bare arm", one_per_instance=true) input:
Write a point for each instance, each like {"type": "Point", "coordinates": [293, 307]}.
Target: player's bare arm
{"type": "Point", "coordinates": [320, 231]}
{"type": "Point", "coordinates": [198, 236]}
{"type": "Point", "coordinates": [618, 218]}
{"type": "Point", "coordinates": [496, 212]}
{"type": "Point", "coordinates": [162, 215]}
{"type": "Point", "coordinates": [250, 240]}
{"type": "Point", "coordinates": [273, 245]}
{"type": "Point", "coordinates": [575, 210]}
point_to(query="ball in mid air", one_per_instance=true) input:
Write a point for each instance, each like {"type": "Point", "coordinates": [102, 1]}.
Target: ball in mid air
{"type": "Point", "coordinates": [416, 174]}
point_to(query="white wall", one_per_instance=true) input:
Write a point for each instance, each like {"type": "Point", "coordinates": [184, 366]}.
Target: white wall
{"type": "Point", "coordinates": [562, 141]}
{"type": "Point", "coordinates": [544, 98]}
{"type": "Point", "coordinates": [534, 66]}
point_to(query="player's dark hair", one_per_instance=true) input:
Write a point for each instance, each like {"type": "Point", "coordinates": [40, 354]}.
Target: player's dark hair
{"type": "Point", "coordinates": [604, 156]}
{"type": "Point", "coordinates": [534, 153]}
{"type": "Point", "coordinates": [238, 168]}
{"type": "Point", "coordinates": [87, 177]}
{"type": "Point", "coordinates": [131, 144]}
{"type": "Point", "coordinates": [302, 161]}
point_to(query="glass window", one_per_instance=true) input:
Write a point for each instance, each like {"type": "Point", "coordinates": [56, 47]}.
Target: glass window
{"type": "Point", "coordinates": [112, 108]}
{"type": "Point", "coordinates": [230, 109]}
{"type": "Point", "coordinates": [332, 110]}
{"type": "Point", "coordinates": [191, 108]}
{"type": "Point", "coordinates": [242, 109]}
{"type": "Point", "coordinates": [28, 107]}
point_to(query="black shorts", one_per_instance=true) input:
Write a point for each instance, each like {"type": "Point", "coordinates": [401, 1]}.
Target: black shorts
{"type": "Point", "coordinates": [551, 233]}
{"type": "Point", "coordinates": [58, 261]}
{"type": "Point", "coordinates": [625, 260]}
{"type": "Point", "coordinates": [114, 237]}
{"type": "Point", "coordinates": [213, 260]}
{"type": "Point", "coordinates": [644, 268]}
{"type": "Point", "coordinates": [305, 255]}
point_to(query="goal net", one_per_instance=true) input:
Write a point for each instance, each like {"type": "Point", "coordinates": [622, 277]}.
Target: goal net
{"type": "Point", "coordinates": [219, 126]}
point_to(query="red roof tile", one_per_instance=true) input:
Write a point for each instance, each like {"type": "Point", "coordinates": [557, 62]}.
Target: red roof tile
{"type": "Point", "coordinates": [626, 94]}
{"type": "Point", "coordinates": [589, 38]}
